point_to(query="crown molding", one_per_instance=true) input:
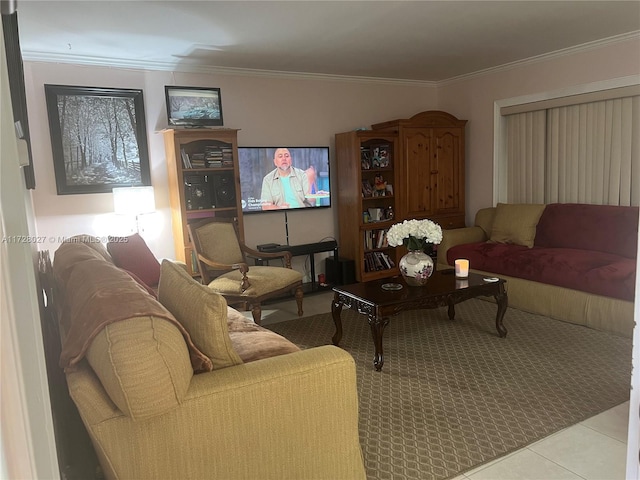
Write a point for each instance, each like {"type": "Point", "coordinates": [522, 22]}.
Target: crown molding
{"type": "Point", "coordinates": [33, 56]}
{"type": "Point", "coordinates": [544, 57]}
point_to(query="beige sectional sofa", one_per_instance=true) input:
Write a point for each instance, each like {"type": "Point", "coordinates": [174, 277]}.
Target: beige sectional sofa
{"type": "Point", "coordinates": [572, 262]}
{"type": "Point", "coordinates": [184, 387]}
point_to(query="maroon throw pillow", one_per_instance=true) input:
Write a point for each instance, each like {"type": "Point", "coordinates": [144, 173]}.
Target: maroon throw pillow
{"type": "Point", "coordinates": [132, 254]}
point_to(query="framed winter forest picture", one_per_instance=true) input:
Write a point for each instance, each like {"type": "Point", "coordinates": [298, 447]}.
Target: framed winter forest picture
{"type": "Point", "coordinates": [98, 138]}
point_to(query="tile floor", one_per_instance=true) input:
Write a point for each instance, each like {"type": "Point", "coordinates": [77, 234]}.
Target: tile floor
{"type": "Point", "coordinates": [594, 449]}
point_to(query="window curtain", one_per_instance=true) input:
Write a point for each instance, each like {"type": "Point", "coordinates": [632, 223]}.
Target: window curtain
{"type": "Point", "coordinates": [586, 153]}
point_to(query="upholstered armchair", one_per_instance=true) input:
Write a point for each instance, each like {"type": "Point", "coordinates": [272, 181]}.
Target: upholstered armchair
{"type": "Point", "coordinates": [222, 258]}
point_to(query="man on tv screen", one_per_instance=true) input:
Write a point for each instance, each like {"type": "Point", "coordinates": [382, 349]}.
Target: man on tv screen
{"type": "Point", "coordinates": [285, 186]}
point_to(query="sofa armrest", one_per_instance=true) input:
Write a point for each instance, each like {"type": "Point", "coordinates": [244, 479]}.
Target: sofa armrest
{"type": "Point", "coordinates": [457, 236]}
{"type": "Point", "coordinates": [290, 416]}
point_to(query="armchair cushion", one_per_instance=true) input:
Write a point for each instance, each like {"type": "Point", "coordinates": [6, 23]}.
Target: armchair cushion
{"type": "Point", "coordinates": [263, 280]}
{"type": "Point", "coordinates": [132, 254]}
{"type": "Point", "coordinates": [201, 311]}
{"type": "Point", "coordinates": [516, 223]}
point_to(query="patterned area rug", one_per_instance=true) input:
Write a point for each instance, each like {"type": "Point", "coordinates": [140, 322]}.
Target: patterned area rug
{"type": "Point", "coordinates": [453, 395]}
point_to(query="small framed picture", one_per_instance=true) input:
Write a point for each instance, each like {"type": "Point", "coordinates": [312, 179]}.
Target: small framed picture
{"type": "Point", "coordinates": [193, 106]}
{"type": "Point", "coordinates": [365, 159]}
{"type": "Point", "coordinates": [367, 189]}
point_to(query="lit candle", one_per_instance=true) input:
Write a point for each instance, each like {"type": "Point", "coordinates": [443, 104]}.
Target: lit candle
{"type": "Point", "coordinates": [462, 268]}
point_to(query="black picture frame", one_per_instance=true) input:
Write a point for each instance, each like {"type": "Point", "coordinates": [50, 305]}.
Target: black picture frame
{"type": "Point", "coordinates": [98, 138]}
{"type": "Point", "coordinates": [15, 70]}
{"type": "Point", "coordinates": [193, 106]}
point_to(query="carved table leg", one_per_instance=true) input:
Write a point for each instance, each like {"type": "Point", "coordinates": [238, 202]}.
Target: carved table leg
{"type": "Point", "coordinates": [336, 309]}
{"type": "Point", "coordinates": [452, 309]}
{"type": "Point", "coordinates": [377, 325]}
{"type": "Point", "coordinates": [503, 302]}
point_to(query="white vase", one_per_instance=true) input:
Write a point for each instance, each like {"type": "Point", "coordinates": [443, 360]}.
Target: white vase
{"type": "Point", "coordinates": [416, 267]}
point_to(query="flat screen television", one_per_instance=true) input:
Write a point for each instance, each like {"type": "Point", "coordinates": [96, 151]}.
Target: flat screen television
{"type": "Point", "coordinates": [193, 106]}
{"type": "Point", "coordinates": [301, 181]}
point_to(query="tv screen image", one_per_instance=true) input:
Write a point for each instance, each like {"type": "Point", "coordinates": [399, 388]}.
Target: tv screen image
{"type": "Point", "coordinates": [284, 178]}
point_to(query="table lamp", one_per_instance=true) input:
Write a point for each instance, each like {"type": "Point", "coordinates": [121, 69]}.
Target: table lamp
{"type": "Point", "coordinates": [134, 201]}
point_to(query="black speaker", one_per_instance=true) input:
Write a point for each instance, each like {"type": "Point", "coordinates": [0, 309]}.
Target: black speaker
{"type": "Point", "coordinates": [197, 192]}
{"type": "Point", "coordinates": [224, 190]}
{"type": "Point", "coordinates": [341, 273]}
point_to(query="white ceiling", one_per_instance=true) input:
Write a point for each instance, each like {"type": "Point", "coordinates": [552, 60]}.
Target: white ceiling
{"type": "Point", "coordinates": [411, 40]}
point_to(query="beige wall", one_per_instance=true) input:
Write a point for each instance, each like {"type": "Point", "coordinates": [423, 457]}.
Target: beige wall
{"type": "Point", "coordinates": [300, 111]}
{"type": "Point", "coordinates": [27, 440]}
{"type": "Point", "coordinates": [473, 99]}
{"type": "Point", "coordinates": [269, 111]}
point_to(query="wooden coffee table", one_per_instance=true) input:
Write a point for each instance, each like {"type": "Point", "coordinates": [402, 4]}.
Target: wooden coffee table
{"type": "Point", "coordinates": [442, 290]}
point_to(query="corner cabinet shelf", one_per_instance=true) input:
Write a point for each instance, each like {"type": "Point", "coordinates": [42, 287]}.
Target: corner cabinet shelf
{"type": "Point", "coordinates": [367, 179]}
{"type": "Point", "coordinates": [203, 181]}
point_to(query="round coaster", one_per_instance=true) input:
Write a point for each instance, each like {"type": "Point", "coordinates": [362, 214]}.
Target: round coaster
{"type": "Point", "coordinates": [392, 286]}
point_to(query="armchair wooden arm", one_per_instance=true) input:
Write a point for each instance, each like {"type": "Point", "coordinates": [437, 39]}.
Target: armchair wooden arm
{"type": "Point", "coordinates": [243, 267]}
{"type": "Point", "coordinates": [286, 255]}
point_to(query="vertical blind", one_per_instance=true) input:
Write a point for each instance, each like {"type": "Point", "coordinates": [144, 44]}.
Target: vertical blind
{"type": "Point", "coordinates": [586, 153]}
{"type": "Point", "coordinates": [526, 136]}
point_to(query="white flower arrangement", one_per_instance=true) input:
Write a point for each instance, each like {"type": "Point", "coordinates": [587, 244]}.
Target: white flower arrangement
{"type": "Point", "coordinates": [415, 234]}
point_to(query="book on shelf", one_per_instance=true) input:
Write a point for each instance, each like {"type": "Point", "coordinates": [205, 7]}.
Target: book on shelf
{"type": "Point", "coordinates": [375, 239]}
{"type": "Point", "coordinates": [367, 265]}
{"type": "Point", "coordinates": [195, 268]}
{"type": "Point", "coordinates": [386, 260]}
{"type": "Point", "coordinates": [375, 261]}
{"type": "Point", "coordinates": [185, 159]}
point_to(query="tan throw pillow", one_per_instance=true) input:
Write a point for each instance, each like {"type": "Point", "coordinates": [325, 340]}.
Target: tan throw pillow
{"type": "Point", "coordinates": [201, 311]}
{"type": "Point", "coordinates": [516, 223]}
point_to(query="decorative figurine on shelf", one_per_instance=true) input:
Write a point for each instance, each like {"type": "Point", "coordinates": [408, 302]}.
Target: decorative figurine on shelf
{"type": "Point", "coordinates": [389, 213]}
{"type": "Point", "coordinates": [383, 161]}
{"type": "Point", "coordinates": [380, 186]}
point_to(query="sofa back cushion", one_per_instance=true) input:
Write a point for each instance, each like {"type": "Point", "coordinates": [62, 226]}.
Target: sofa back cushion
{"type": "Point", "coordinates": [602, 228]}
{"type": "Point", "coordinates": [515, 223]}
